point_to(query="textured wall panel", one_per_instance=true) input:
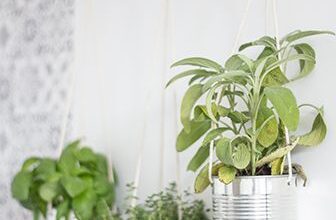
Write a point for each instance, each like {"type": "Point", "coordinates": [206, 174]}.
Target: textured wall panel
{"type": "Point", "coordinates": [36, 53]}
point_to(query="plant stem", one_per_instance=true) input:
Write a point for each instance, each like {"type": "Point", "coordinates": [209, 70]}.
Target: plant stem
{"type": "Point", "coordinates": [254, 147]}
{"type": "Point", "coordinates": [254, 113]}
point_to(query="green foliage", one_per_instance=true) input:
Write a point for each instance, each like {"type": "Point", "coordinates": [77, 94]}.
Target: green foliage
{"type": "Point", "coordinates": [77, 182]}
{"type": "Point", "coordinates": [227, 174]}
{"type": "Point", "coordinates": [246, 107]}
{"type": "Point", "coordinates": [166, 205]}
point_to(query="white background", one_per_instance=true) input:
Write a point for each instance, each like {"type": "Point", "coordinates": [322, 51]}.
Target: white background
{"type": "Point", "coordinates": [123, 50]}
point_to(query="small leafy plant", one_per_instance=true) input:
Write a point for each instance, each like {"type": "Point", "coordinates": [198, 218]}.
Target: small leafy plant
{"type": "Point", "coordinates": [247, 110]}
{"type": "Point", "coordinates": [165, 206]}
{"type": "Point", "coordinates": [77, 182]}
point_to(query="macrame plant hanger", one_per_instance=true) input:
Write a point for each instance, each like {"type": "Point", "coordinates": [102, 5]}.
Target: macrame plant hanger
{"type": "Point", "coordinates": [235, 47]}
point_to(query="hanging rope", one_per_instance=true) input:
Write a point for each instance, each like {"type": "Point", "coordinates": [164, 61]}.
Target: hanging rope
{"type": "Point", "coordinates": [142, 142]}
{"type": "Point", "coordinates": [177, 156]}
{"type": "Point", "coordinates": [166, 41]}
{"type": "Point", "coordinates": [141, 150]}
{"type": "Point", "coordinates": [288, 142]}
{"type": "Point", "coordinates": [103, 97]}
{"type": "Point", "coordinates": [234, 49]}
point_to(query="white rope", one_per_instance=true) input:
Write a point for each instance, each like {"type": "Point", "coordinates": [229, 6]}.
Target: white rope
{"type": "Point", "coordinates": [288, 142]}
{"type": "Point", "coordinates": [241, 26]}
{"type": "Point", "coordinates": [67, 107]}
{"type": "Point", "coordinates": [167, 43]}
{"type": "Point", "coordinates": [140, 154]}
{"type": "Point", "coordinates": [266, 17]}
{"type": "Point", "coordinates": [177, 156]}
{"type": "Point", "coordinates": [170, 45]}
{"type": "Point", "coordinates": [142, 142]}
{"type": "Point", "coordinates": [234, 49]}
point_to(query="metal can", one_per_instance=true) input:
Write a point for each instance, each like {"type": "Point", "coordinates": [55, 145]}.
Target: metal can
{"type": "Point", "coordinates": [255, 197]}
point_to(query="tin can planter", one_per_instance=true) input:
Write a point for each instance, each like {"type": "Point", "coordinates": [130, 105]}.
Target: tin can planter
{"type": "Point", "coordinates": [254, 197]}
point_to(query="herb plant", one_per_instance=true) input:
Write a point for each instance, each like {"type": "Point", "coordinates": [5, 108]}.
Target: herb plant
{"type": "Point", "coordinates": [165, 206]}
{"type": "Point", "coordinates": [247, 109]}
{"type": "Point", "coordinates": [77, 182]}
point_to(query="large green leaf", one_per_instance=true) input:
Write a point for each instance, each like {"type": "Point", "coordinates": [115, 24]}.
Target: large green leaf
{"type": "Point", "coordinates": [210, 102]}
{"type": "Point", "coordinates": [317, 133]}
{"type": "Point", "coordinates": [277, 166]}
{"type": "Point", "coordinates": [199, 61]}
{"type": "Point", "coordinates": [227, 174]}
{"type": "Point", "coordinates": [224, 151]}
{"type": "Point", "coordinates": [190, 98]}
{"type": "Point", "coordinates": [202, 180]}
{"type": "Point", "coordinates": [198, 129]}
{"type": "Point", "coordinates": [285, 105]}
{"type": "Point", "coordinates": [63, 210]}
{"type": "Point", "coordinates": [73, 185]}
{"type": "Point", "coordinates": [228, 77]}
{"type": "Point", "coordinates": [213, 134]}
{"type": "Point", "coordinates": [306, 66]}
{"type": "Point", "coordinates": [21, 185]}
{"type": "Point", "coordinates": [265, 41]}
{"type": "Point", "coordinates": [46, 168]}
{"type": "Point", "coordinates": [196, 72]}
{"type": "Point", "coordinates": [301, 34]}
{"type": "Point", "coordinates": [275, 77]}
{"type": "Point", "coordinates": [239, 62]}
{"type": "Point", "coordinates": [68, 160]}
{"type": "Point", "coordinates": [277, 64]}
{"type": "Point", "coordinates": [85, 154]}
{"type": "Point", "coordinates": [101, 185]}
{"type": "Point", "coordinates": [237, 155]}
{"type": "Point", "coordinates": [48, 191]}
{"type": "Point", "coordinates": [83, 205]}
{"type": "Point", "coordinates": [278, 153]}
{"type": "Point", "coordinates": [238, 117]}
{"type": "Point", "coordinates": [101, 164]}
{"type": "Point", "coordinates": [31, 163]}
{"type": "Point", "coordinates": [103, 211]}
{"type": "Point", "coordinates": [242, 156]}
{"type": "Point", "coordinates": [267, 127]}
{"type": "Point", "coordinates": [199, 158]}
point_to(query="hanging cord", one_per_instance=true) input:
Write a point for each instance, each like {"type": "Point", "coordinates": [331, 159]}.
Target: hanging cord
{"type": "Point", "coordinates": [177, 156]}
{"type": "Point", "coordinates": [169, 53]}
{"type": "Point", "coordinates": [147, 108]}
{"type": "Point", "coordinates": [288, 142]}
{"type": "Point", "coordinates": [266, 17]}
{"type": "Point", "coordinates": [67, 107]}
{"type": "Point", "coordinates": [140, 154]}
{"type": "Point", "coordinates": [166, 42]}
{"type": "Point", "coordinates": [234, 49]}
{"type": "Point", "coordinates": [103, 97]}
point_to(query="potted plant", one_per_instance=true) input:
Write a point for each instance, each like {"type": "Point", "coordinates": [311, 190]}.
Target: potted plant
{"type": "Point", "coordinates": [78, 182]}
{"type": "Point", "coordinates": [167, 205]}
{"type": "Point", "coordinates": [250, 117]}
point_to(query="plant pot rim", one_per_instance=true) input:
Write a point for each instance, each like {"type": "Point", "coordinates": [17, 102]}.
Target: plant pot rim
{"type": "Point", "coordinates": [260, 177]}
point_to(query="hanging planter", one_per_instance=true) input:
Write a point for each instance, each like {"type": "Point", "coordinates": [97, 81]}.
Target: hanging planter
{"type": "Point", "coordinates": [254, 197]}
{"type": "Point", "coordinates": [77, 184]}
{"type": "Point", "coordinates": [248, 119]}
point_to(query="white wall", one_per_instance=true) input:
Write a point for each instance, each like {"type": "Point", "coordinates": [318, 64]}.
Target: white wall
{"type": "Point", "coordinates": [120, 47]}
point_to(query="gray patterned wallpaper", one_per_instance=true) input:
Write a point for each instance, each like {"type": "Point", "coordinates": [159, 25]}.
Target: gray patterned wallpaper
{"type": "Point", "coordinates": [36, 52]}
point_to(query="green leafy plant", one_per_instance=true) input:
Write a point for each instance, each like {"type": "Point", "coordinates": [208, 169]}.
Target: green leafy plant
{"type": "Point", "coordinates": [165, 205]}
{"type": "Point", "coordinates": [77, 182]}
{"type": "Point", "coordinates": [247, 109]}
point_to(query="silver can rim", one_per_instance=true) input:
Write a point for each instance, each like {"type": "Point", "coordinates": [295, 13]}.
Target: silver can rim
{"type": "Point", "coordinates": [259, 177]}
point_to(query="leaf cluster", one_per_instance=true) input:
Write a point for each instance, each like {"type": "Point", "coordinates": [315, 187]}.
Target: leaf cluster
{"type": "Point", "coordinates": [77, 182]}
{"type": "Point", "coordinates": [247, 108]}
{"type": "Point", "coordinates": [165, 205]}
